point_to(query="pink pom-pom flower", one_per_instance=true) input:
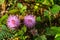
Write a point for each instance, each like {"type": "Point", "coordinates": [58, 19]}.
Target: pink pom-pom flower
{"type": "Point", "coordinates": [13, 22]}
{"type": "Point", "coordinates": [29, 21]}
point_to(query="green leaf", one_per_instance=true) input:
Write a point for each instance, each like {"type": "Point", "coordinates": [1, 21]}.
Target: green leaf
{"type": "Point", "coordinates": [52, 1]}
{"type": "Point", "coordinates": [57, 35]}
{"type": "Point", "coordinates": [53, 30]}
{"type": "Point", "coordinates": [0, 25]}
{"type": "Point", "coordinates": [58, 38]}
{"type": "Point", "coordinates": [46, 2]}
{"type": "Point", "coordinates": [46, 13]}
{"type": "Point", "coordinates": [5, 34]}
{"type": "Point", "coordinates": [4, 27]}
{"type": "Point", "coordinates": [14, 1]}
{"type": "Point", "coordinates": [38, 19]}
{"type": "Point", "coordinates": [21, 32]}
{"type": "Point", "coordinates": [19, 5]}
{"type": "Point", "coordinates": [24, 29]}
{"type": "Point", "coordinates": [25, 37]}
{"type": "Point", "coordinates": [36, 8]}
{"type": "Point", "coordinates": [13, 11]}
{"type": "Point", "coordinates": [4, 18]}
{"type": "Point", "coordinates": [55, 9]}
{"type": "Point", "coordinates": [2, 1]}
{"type": "Point", "coordinates": [56, 29]}
{"type": "Point", "coordinates": [42, 37]}
{"type": "Point", "coordinates": [1, 35]}
{"type": "Point", "coordinates": [23, 9]}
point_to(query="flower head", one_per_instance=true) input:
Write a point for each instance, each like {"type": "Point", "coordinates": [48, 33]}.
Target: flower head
{"type": "Point", "coordinates": [29, 21]}
{"type": "Point", "coordinates": [13, 22]}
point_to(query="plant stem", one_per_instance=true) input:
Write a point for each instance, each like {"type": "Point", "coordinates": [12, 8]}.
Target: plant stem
{"type": "Point", "coordinates": [49, 17]}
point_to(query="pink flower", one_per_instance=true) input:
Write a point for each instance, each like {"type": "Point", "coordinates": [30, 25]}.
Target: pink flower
{"type": "Point", "coordinates": [29, 21]}
{"type": "Point", "coordinates": [13, 22]}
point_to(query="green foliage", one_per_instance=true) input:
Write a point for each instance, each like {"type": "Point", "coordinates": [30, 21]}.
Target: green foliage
{"type": "Point", "coordinates": [35, 7]}
{"type": "Point", "coordinates": [2, 19]}
{"type": "Point", "coordinates": [4, 27]}
{"type": "Point", "coordinates": [21, 32]}
{"type": "Point", "coordinates": [55, 9]}
{"type": "Point", "coordinates": [58, 38]}
{"type": "Point", "coordinates": [4, 33]}
{"type": "Point", "coordinates": [46, 13]}
{"type": "Point", "coordinates": [49, 9]}
{"type": "Point", "coordinates": [52, 1]}
{"type": "Point", "coordinates": [53, 30]}
{"type": "Point", "coordinates": [57, 2]}
{"type": "Point", "coordinates": [2, 1]}
{"type": "Point", "coordinates": [38, 19]}
{"type": "Point", "coordinates": [42, 37]}
{"type": "Point", "coordinates": [24, 29]}
{"type": "Point", "coordinates": [19, 5]}
{"type": "Point", "coordinates": [13, 11]}
{"type": "Point", "coordinates": [12, 4]}
{"type": "Point", "coordinates": [27, 0]}
{"type": "Point", "coordinates": [39, 1]}
{"type": "Point", "coordinates": [45, 2]}
{"type": "Point", "coordinates": [23, 9]}
{"type": "Point", "coordinates": [57, 35]}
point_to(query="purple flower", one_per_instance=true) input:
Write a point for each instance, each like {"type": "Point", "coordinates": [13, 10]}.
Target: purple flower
{"type": "Point", "coordinates": [29, 21]}
{"type": "Point", "coordinates": [13, 22]}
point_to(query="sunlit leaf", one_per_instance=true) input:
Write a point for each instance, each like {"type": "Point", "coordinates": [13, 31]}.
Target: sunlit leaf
{"type": "Point", "coordinates": [58, 38]}
{"type": "Point", "coordinates": [57, 35]}
{"type": "Point", "coordinates": [52, 1]}
{"type": "Point", "coordinates": [36, 8]}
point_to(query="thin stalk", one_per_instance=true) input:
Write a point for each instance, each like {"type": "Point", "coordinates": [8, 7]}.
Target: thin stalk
{"type": "Point", "coordinates": [50, 17]}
